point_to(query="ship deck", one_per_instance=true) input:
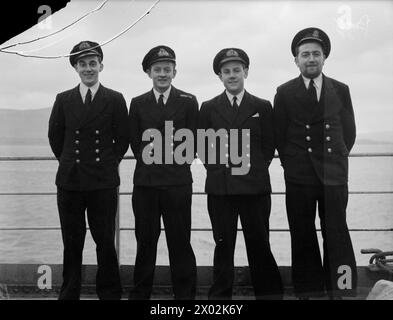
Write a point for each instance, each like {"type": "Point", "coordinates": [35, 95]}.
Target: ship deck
{"type": "Point", "coordinates": [22, 282]}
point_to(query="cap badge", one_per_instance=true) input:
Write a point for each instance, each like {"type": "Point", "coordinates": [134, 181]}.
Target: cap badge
{"type": "Point", "coordinates": [84, 45]}
{"type": "Point", "coordinates": [232, 53]}
{"type": "Point", "coordinates": [315, 34]}
{"type": "Point", "coordinates": [163, 53]}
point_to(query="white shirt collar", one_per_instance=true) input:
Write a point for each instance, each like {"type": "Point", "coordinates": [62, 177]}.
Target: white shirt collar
{"type": "Point", "coordinates": [317, 82]}
{"type": "Point", "coordinates": [166, 94]}
{"type": "Point", "coordinates": [83, 90]}
{"type": "Point", "coordinates": [239, 97]}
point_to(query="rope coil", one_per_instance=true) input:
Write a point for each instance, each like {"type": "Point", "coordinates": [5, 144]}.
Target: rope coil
{"type": "Point", "coordinates": [378, 261]}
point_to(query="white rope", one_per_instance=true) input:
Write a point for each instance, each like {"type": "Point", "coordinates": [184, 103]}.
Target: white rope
{"type": "Point", "coordinates": [51, 44]}
{"type": "Point", "coordinates": [20, 53]}
{"type": "Point", "coordinates": [56, 32]}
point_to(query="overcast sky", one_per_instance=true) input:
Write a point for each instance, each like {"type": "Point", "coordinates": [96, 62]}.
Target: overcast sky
{"type": "Point", "coordinates": [360, 33]}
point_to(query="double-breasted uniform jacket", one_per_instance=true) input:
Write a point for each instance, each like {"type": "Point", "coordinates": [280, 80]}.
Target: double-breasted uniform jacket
{"type": "Point", "coordinates": [314, 140]}
{"type": "Point", "coordinates": [89, 144]}
{"type": "Point", "coordinates": [182, 109]}
{"type": "Point", "coordinates": [254, 114]}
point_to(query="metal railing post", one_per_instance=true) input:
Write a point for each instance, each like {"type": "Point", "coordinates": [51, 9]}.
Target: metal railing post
{"type": "Point", "coordinates": [117, 220]}
{"type": "Point", "coordinates": [117, 223]}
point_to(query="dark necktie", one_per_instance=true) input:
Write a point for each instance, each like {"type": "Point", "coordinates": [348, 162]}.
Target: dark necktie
{"type": "Point", "coordinates": [161, 101]}
{"type": "Point", "coordinates": [88, 98]}
{"type": "Point", "coordinates": [312, 91]}
{"type": "Point", "coordinates": [235, 106]}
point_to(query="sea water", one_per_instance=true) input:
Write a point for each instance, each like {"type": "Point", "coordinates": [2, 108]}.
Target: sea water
{"type": "Point", "coordinates": [365, 211]}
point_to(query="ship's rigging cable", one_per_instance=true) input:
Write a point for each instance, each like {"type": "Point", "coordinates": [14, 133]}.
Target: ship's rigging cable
{"type": "Point", "coordinates": [58, 31]}
{"type": "Point", "coordinates": [20, 53]}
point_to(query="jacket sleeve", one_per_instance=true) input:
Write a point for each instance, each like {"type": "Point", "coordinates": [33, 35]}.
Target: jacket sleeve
{"type": "Point", "coordinates": [192, 121]}
{"type": "Point", "coordinates": [135, 136]}
{"type": "Point", "coordinates": [267, 133]}
{"type": "Point", "coordinates": [56, 130]}
{"type": "Point", "coordinates": [348, 121]}
{"type": "Point", "coordinates": [120, 128]}
{"type": "Point", "coordinates": [280, 123]}
{"type": "Point", "coordinates": [203, 124]}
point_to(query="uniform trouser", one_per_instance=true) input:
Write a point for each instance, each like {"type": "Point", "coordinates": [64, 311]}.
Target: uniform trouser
{"type": "Point", "coordinates": [337, 274]}
{"type": "Point", "coordinates": [101, 206]}
{"type": "Point", "coordinates": [174, 204]}
{"type": "Point", "coordinates": [254, 211]}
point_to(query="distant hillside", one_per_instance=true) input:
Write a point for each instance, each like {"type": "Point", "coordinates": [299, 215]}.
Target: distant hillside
{"type": "Point", "coordinates": [383, 137]}
{"type": "Point", "coordinates": [24, 126]}
{"type": "Point", "coordinates": [30, 127]}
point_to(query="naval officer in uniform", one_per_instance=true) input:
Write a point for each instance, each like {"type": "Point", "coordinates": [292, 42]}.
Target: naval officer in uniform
{"type": "Point", "coordinates": [315, 131]}
{"type": "Point", "coordinates": [246, 194]}
{"type": "Point", "coordinates": [88, 133]}
{"type": "Point", "coordinates": [162, 188]}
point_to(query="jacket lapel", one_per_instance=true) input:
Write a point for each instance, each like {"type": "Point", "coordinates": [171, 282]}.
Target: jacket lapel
{"type": "Point", "coordinates": [331, 101]}
{"type": "Point", "coordinates": [154, 110]}
{"type": "Point", "coordinates": [97, 106]}
{"type": "Point", "coordinates": [151, 111]}
{"type": "Point", "coordinates": [246, 109]}
{"type": "Point", "coordinates": [308, 110]}
{"type": "Point", "coordinates": [76, 104]}
{"type": "Point", "coordinates": [225, 109]}
{"type": "Point", "coordinates": [303, 97]}
{"type": "Point", "coordinates": [172, 105]}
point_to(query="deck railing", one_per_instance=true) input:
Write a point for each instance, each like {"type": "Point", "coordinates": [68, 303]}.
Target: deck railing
{"type": "Point", "coordinates": [119, 229]}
